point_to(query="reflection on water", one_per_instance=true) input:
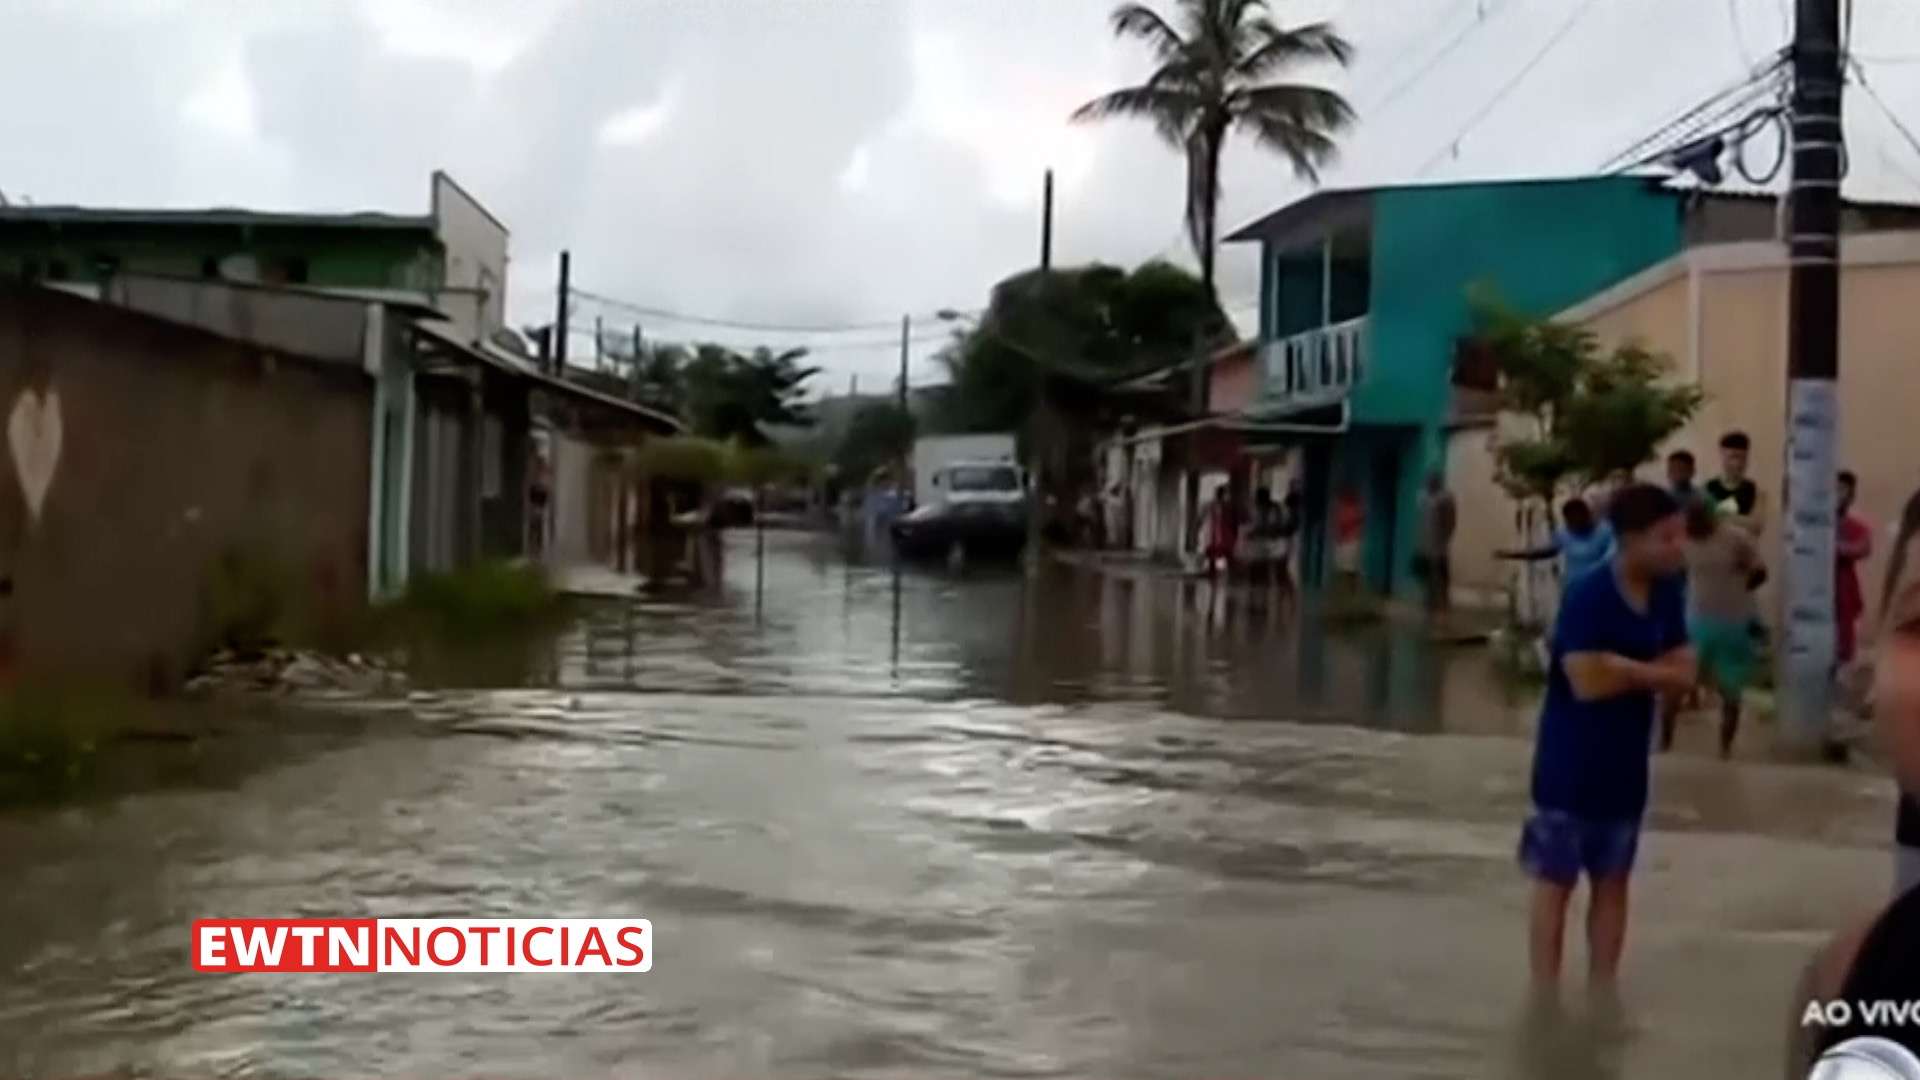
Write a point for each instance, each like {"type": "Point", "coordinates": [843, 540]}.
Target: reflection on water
{"type": "Point", "coordinates": [932, 826]}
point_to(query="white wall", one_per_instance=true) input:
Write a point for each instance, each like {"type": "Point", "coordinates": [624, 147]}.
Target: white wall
{"type": "Point", "coordinates": [476, 252]}
{"type": "Point", "coordinates": [572, 466]}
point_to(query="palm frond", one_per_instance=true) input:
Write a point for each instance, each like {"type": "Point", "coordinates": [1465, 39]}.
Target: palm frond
{"type": "Point", "coordinates": [1300, 105]}
{"type": "Point", "coordinates": [1141, 21]}
{"type": "Point", "coordinates": [1305, 147]}
{"type": "Point", "coordinates": [1171, 110]}
{"type": "Point", "coordinates": [1275, 48]}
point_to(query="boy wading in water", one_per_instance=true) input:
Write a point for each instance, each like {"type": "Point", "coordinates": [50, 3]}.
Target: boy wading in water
{"type": "Point", "coordinates": [1619, 642]}
{"type": "Point", "coordinates": [1720, 563]}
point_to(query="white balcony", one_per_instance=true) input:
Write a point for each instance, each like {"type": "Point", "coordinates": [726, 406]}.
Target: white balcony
{"type": "Point", "coordinates": [1312, 369]}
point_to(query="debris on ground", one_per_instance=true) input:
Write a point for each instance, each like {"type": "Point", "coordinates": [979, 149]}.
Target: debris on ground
{"type": "Point", "coordinates": [295, 672]}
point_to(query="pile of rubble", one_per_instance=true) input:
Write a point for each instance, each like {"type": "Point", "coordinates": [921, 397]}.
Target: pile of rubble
{"type": "Point", "coordinates": [295, 672]}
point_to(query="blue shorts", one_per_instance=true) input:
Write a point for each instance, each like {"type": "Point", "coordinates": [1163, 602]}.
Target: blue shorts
{"type": "Point", "coordinates": [1558, 847]}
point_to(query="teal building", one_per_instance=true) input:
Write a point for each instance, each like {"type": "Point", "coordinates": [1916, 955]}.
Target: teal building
{"type": "Point", "coordinates": [1364, 305]}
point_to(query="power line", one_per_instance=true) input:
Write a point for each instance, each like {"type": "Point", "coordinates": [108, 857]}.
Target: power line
{"type": "Point", "coordinates": [1446, 50]}
{"type": "Point", "coordinates": [1742, 93]}
{"type": "Point", "coordinates": [734, 324]}
{"type": "Point", "coordinates": [1887, 110]}
{"type": "Point", "coordinates": [1519, 77]}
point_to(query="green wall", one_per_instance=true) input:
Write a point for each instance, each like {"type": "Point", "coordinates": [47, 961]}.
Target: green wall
{"type": "Point", "coordinates": [337, 256]}
{"type": "Point", "coordinates": [1543, 246]}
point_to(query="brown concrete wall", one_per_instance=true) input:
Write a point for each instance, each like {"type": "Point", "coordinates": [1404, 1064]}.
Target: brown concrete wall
{"type": "Point", "coordinates": [177, 449]}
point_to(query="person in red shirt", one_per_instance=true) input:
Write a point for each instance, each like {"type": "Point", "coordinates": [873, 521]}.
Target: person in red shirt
{"type": "Point", "coordinates": [1853, 542]}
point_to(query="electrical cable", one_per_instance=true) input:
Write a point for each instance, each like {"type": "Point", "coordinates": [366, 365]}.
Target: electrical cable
{"type": "Point", "coordinates": [1546, 49]}
{"type": "Point", "coordinates": [1886, 110]}
{"type": "Point", "coordinates": [735, 324]}
{"type": "Point", "coordinates": [1402, 87]}
{"type": "Point", "coordinates": [1744, 91]}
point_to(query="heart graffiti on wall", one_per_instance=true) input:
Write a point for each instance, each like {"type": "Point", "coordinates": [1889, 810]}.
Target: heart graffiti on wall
{"type": "Point", "coordinates": [33, 437]}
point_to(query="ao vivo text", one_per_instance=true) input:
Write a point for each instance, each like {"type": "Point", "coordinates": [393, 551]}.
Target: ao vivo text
{"type": "Point", "coordinates": [1839, 1012]}
{"type": "Point", "coordinates": [453, 945]}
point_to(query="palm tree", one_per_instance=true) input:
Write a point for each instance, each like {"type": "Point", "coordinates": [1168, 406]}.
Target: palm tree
{"type": "Point", "coordinates": [1209, 83]}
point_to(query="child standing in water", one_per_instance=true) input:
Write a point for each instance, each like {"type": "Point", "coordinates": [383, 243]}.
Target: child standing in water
{"type": "Point", "coordinates": [1619, 641]}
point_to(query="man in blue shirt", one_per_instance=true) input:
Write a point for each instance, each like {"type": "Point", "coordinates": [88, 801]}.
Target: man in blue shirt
{"type": "Point", "coordinates": [1619, 642]}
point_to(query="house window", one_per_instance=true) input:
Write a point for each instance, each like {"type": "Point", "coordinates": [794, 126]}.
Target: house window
{"type": "Point", "coordinates": [493, 438]}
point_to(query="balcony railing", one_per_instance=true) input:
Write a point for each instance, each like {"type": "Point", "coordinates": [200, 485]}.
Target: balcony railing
{"type": "Point", "coordinates": [1315, 368]}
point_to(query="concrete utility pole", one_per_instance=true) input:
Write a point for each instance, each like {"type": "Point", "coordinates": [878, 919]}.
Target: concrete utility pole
{"type": "Point", "coordinates": [633, 371]}
{"type": "Point", "coordinates": [1046, 224]}
{"type": "Point", "coordinates": [560, 316]}
{"type": "Point", "coordinates": [1038, 424]}
{"type": "Point", "coordinates": [1813, 362]}
{"type": "Point", "coordinates": [906, 453]}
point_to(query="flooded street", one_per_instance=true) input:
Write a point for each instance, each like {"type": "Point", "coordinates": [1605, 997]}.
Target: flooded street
{"type": "Point", "coordinates": [961, 828]}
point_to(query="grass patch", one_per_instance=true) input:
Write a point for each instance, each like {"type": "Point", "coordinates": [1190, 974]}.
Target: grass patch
{"type": "Point", "coordinates": [487, 601]}
{"type": "Point", "coordinates": [52, 735]}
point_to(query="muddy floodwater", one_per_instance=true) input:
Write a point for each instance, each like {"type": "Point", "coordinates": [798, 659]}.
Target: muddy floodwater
{"type": "Point", "coordinates": [930, 826]}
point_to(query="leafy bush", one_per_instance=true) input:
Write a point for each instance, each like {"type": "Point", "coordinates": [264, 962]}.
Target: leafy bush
{"type": "Point", "coordinates": [51, 735]}
{"type": "Point", "coordinates": [484, 600]}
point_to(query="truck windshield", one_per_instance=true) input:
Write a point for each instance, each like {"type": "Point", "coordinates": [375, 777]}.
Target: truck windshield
{"type": "Point", "coordinates": [983, 478]}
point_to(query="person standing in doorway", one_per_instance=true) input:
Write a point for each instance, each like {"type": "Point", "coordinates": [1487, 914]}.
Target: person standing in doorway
{"type": "Point", "coordinates": [1220, 530]}
{"type": "Point", "coordinates": [1853, 543]}
{"type": "Point", "coordinates": [1349, 533]}
{"type": "Point", "coordinates": [1720, 561]}
{"type": "Point", "coordinates": [1293, 509]}
{"type": "Point", "coordinates": [1433, 550]}
{"type": "Point", "coordinates": [1619, 641]}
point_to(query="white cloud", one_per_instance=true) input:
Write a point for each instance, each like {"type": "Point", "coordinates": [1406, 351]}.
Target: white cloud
{"type": "Point", "coordinates": [636, 123]}
{"type": "Point", "coordinates": [223, 104]}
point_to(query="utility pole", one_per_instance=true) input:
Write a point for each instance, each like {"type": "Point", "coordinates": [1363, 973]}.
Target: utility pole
{"type": "Point", "coordinates": [599, 344]}
{"type": "Point", "coordinates": [633, 373]}
{"type": "Point", "coordinates": [560, 316]}
{"type": "Point", "coordinates": [1038, 424]}
{"type": "Point", "coordinates": [1813, 363]}
{"type": "Point", "coordinates": [906, 325]}
{"type": "Point", "coordinates": [1046, 224]}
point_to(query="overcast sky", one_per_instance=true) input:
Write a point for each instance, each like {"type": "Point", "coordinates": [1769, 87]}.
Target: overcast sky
{"type": "Point", "coordinates": [824, 161]}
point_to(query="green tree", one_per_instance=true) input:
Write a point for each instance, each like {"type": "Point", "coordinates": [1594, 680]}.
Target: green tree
{"type": "Point", "coordinates": [721, 393]}
{"type": "Point", "coordinates": [1085, 326]}
{"type": "Point", "coordinates": [1586, 412]}
{"type": "Point", "coordinates": [879, 434]}
{"type": "Point", "coordinates": [730, 395]}
{"type": "Point", "coordinates": [1211, 79]}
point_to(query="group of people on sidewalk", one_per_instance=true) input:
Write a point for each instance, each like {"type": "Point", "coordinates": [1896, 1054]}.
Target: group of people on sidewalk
{"type": "Point", "coordinates": [1657, 597]}
{"type": "Point", "coordinates": [1258, 544]}
{"type": "Point", "coordinates": [1719, 574]}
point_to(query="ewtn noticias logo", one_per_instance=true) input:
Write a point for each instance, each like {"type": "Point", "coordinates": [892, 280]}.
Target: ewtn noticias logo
{"type": "Point", "coordinates": [553, 946]}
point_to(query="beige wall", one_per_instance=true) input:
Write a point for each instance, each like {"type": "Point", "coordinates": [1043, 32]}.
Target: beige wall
{"type": "Point", "coordinates": [1737, 352]}
{"type": "Point", "coordinates": [1486, 518]}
